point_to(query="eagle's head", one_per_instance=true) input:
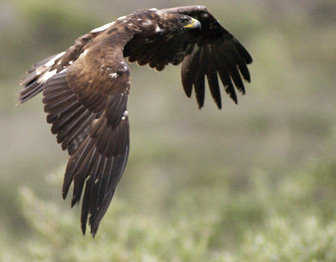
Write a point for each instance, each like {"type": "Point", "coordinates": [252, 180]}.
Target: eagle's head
{"type": "Point", "coordinates": [179, 22]}
{"type": "Point", "coordinates": [154, 22]}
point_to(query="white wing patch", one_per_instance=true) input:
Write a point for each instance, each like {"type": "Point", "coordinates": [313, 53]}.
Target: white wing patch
{"type": "Point", "coordinates": [121, 17]}
{"type": "Point", "coordinates": [43, 71]}
{"type": "Point", "coordinates": [113, 75]}
{"type": "Point", "coordinates": [46, 76]}
{"type": "Point", "coordinates": [158, 29]}
{"type": "Point", "coordinates": [102, 28]}
{"type": "Point", "coordinates": [84, 53]}
{"type": "Point", "coordinates": [147, 22]}
{"type": "Point", "coordinates": [52, 61]}
{"type": "Point", "coordinates": [125, 115]}
{"type": "Point", "coordinates": [44, 68]}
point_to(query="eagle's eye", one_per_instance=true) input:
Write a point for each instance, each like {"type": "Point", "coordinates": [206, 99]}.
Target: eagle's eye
{"type": "Point", "coordinates": [184, 20]}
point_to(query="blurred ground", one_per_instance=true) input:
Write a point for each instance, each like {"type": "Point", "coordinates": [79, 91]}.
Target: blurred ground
{"type": "Point", "coordinates": [253, 182]}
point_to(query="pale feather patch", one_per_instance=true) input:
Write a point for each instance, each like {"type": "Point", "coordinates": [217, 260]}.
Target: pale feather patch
{"type": "Point", "coordinates": [125, 115]}
{"type": "Point", "coordinates": [121, 17]}
{"type": "Point", "coordinates": [40, 70]}
{"type": "Point", "coordinates": [147, 22]}
{"type": "Point", "coordinates": [113, 75]}
{"type": "Point", "coordinates": [158, 29]}
{"type": "Point", "coordinates": [84, 53]}
{"type": "Point", "coordinates": [52, 61]}
{"type": "Point", "coordinates": [94, 122]}
{"type": "Point", "coordinates": [102, 28]}
{"type": "Point", "coordinates": [46, 76]}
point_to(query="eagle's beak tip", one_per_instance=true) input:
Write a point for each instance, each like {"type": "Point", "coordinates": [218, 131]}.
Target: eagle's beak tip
{"type": "Point", "coordinates": [194, 24]}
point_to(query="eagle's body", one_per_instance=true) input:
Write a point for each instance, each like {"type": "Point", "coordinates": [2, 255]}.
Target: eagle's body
{"type": "Point", "coordinates": [85, 89]}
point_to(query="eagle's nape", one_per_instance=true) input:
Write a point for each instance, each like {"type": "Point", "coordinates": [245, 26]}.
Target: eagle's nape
{"type": "Point", "coordinates": [85, 90]}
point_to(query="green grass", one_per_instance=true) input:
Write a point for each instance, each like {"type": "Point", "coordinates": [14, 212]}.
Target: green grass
{"type": "Point", "coordinates": [290, 220]}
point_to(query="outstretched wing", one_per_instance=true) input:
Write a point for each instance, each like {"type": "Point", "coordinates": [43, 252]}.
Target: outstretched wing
{"type": "Point", "coordinates": [86, 105]}
{"type": "Point", "coordinates": [209, 52]}
{"type": "Point", "coordinates": [36, 77]}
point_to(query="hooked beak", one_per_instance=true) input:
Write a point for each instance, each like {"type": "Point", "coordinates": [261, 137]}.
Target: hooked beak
{"type": "Point", "coordinates": [194, 24]}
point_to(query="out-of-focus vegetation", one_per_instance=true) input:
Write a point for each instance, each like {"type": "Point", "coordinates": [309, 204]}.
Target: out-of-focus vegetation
{"type": "Point", "coordinates": [253, 182]}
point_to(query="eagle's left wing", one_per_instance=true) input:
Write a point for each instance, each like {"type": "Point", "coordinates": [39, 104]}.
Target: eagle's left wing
{"type": "Point", "coordinates": [206, 52]}
{"type": "Point", "coordinates": [85, 92]}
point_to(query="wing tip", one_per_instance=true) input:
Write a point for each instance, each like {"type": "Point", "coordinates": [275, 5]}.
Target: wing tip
{"type": "Point", "coordinates": [83, 228]}
{"type": "Point", "coordinates": [234, 98]}
{"type": "Point", "coordinates": [248, 58]}
{"type": "Point", "coordinates": [94, 229]}
{"type": "Point", "coordinates": [64, 195]}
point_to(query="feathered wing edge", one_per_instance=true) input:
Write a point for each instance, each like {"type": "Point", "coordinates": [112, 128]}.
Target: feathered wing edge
{"type": "Point", "coordinates": [92, 127]}
{"type": "Point", "coordinates": [212, 52]}
{"type": "Point", "coordinates": [213, 60]}
{"type": "Point", "coordinates": [98, 144]}
{"type": "Point", "coordinates": [220, 55]}
{"type": "Point", "coordinates": [99, 173]}
{"type": "Point", "coordinates": [33, 82]}
{"type": "Point", "coordinates": [37, 76]}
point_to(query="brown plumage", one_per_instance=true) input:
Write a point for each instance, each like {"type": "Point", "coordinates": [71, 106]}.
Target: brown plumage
{"type": "Point", "coordinates": [85, 89]}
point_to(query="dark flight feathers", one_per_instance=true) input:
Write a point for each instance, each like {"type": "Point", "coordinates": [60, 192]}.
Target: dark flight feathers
{"type": "Point", "coordinates": [85, 89]}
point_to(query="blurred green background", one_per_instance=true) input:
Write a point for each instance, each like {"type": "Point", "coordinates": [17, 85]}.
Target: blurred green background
{"type": "Point", "coordinates": [253, 182]}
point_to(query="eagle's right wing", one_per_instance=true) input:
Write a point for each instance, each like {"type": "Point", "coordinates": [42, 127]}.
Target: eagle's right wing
{"type": "Point", "coordinates": [209, 52]}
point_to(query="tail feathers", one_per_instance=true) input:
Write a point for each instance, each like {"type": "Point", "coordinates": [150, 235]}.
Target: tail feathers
{"type": "Point", "coordinates": [36, 77]}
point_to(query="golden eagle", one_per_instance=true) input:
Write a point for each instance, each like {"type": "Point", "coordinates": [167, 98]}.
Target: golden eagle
{"type": "Point", "coordinates": [85, 89]}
